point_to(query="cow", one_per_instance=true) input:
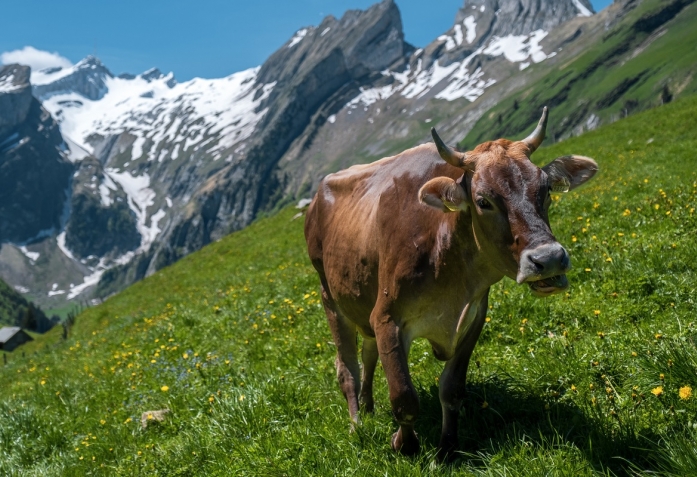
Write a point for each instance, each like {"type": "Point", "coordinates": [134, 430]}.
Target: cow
{"type": "Point", "coordinates": [408, 247]}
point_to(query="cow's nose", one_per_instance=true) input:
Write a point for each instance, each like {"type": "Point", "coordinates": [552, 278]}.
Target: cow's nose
{"type": "Point", "coordinates": [543, 261]}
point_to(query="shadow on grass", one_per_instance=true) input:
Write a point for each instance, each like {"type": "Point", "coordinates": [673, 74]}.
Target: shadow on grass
{"type": "Point", "coordinates": [515, 416]}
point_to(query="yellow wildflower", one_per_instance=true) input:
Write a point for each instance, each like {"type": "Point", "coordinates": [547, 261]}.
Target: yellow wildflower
{"type": "Point", "coordinates": [164, 389]}
{"type": "Point", "coordinates": [657, 391]}
{"type": "Point", "coordinates": [685, 392]}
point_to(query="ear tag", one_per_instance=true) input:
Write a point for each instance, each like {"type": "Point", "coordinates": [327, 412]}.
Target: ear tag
{"type": "Point", "coordinates": [452, 207]}
{"type": "Point", "coordinates": [561, 185]}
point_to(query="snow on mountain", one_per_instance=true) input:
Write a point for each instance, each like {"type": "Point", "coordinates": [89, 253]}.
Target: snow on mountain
{"type": "Point", "coordinates": [8, 84]}
{"type": "Point", "coordinates": [458, 79]}
{"type": "Point", "coordinates": [164, 119]}
{"type": "Point", "coordinates": [153, 111]}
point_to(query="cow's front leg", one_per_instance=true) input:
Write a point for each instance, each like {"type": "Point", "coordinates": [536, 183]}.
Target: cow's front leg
{"type": "Point", "coordinates": [452, 383]}
{"type": "Point", "coordinates": [403, 397]}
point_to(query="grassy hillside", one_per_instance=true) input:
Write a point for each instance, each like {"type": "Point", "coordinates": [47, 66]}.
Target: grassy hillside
{"type": "Point", "coordinates": [648, 59]}
{"type": "Point", "coordinates": [233, 341]}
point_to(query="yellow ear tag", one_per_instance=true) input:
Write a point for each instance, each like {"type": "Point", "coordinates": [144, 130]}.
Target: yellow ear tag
{"type": "Point", "coordinates": [452, 207]}
{"type": "Point", "coordinates": [561, 185]}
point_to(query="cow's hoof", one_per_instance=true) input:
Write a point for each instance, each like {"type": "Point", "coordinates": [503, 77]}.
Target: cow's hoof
{"type": "Point", "coordinates": [447, 449]}
{"type": "Point", "coordinates": [447, 455]}
{"type": "Point", "coordinates": [405, 446]}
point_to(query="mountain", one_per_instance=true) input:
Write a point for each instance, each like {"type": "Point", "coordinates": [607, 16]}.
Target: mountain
{"type": "Point", "coordinates": [158, 168]}
{"type": "Point", "coordinates": [15, 310]}
{"type": "Point", "coordinates": [645, 61]}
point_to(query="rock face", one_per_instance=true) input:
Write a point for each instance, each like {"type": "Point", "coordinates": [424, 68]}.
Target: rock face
{"type": "Point", "coordinates": [34, 176]}
{"type": "Point", "coordinates": [100, 223]}
{"type": "Point", "coordinates": [314, 74]}
{"type": "Point", "coordinates": [15, 96]}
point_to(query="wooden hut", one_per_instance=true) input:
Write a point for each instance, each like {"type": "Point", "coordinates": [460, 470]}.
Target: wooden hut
{"type": "Point", "coordinates": [13, 336]}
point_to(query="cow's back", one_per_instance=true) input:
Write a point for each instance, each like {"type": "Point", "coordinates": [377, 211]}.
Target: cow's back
{"type": "Point", "coordinates": [361, 217]}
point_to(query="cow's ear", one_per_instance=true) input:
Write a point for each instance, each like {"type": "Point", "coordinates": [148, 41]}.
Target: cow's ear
{"type": "Point", "coordinates": [568, 172]}
{"type": "Point", "coordinates": [444, 194]}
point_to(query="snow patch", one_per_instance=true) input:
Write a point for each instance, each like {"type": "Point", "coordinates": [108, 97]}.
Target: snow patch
{"type": "Point", "coordinates": [332, 118]}
{"type": "Point", "coordinates": [458, 35]}
{"type": "Point", "coordinates": [33, 256]}
{"type": "Point", "coordinates": [369, 96]}
{"type": "Point", "coordinates": [325, 31]}
{"type": "Point", "coordinates": [88, 281]}
{"type": "Point", "coordinates": [21, 289]}
{"type": "Point", "coordinates": [517, 48]}
{"type": "Point", "coordinates": [449, 42]}
{"type": "Point", "coordinates": [471, 27]}
{"type": "Point", "coordinates": [75, 153]}
{"type": "Point", "coordinates": [297, 38]}
{"type": "Point", "coordinates": [104, 188]}
{"type": "Point", "coordinates": [60, 240]}
{"type": "Point", "coordinates": [7, 84]}
{"type": "Point", "coordinates": [582, 10]}
{"type": "Point", "coordinates": [140, 197]}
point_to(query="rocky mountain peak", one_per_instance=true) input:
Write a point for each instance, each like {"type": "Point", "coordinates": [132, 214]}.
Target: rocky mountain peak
{"type": "Point", "coordinates": [519, 17]}
{"type": "Point", "coordinates": [154, 74]}
{"type": "Point", "coordinates": [368, 41]}
{"type": "Point", "coordinates": [86, 78]}
{"type": "Point", "coordinates": [513, 28]}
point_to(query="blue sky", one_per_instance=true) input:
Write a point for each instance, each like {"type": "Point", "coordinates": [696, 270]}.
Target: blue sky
{"type": "Point", "coordinates": [206, 38]}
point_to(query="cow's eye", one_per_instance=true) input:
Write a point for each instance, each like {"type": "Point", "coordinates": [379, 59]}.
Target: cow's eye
{"type": "Point", "coordinates": [482, 203]}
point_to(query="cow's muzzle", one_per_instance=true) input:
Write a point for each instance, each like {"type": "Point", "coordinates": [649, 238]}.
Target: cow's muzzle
{"type": "Point", "coordinates": [544, 269]}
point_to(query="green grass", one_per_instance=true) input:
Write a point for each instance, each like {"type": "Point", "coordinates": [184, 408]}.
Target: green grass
{"type": "Point", "coordinates": [233, 341]}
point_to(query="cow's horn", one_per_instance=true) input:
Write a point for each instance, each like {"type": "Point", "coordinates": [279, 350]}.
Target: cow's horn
{"type": "Point", "coordinates": [534, 140]}
{"type": "Point", "coordinates": [457, 159]}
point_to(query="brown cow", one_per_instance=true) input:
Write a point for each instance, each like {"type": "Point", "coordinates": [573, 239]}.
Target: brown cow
{"type": "Point", "coordinates": [395, 264]}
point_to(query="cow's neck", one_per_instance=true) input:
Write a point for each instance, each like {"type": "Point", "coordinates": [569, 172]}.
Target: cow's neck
{"type": "Point", "coordinates": [465, 260]}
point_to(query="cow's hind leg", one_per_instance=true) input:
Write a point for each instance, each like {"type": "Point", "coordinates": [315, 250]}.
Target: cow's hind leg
{"type": "Point", "coordinates": [403, 397]}
{"type": "Point", "coordinates": [370, 361]}
{"type": "Point", "coordinates": [347, 368]}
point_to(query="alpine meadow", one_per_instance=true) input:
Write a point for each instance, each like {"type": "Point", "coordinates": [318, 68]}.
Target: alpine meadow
{"type": "Point", "coordinates": [233, 341]}
{"type": "Point", "coordinates": [156, 223]}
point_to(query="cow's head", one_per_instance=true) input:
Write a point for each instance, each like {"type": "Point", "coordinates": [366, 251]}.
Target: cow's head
{"type": "Point", "coordinates": [508, 198]}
